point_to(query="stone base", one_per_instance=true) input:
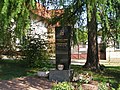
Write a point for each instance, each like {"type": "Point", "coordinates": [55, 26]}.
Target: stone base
{"type": "Point", "coordinates": [42, 73]}
{"type": "Point", "coordinates": [89, 87]}
{"type": "Point", "coordinates": [60, 75]}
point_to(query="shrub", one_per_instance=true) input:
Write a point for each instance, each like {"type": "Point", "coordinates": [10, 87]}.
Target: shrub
{"type": "Point", "coordinates": [103, 86]}
{"type": "Point", "coordinates": [62, 86]}
{"type": "Point", "coordinates": [35, 52]}
{"type": "Point", "coordinates": [83, 77]}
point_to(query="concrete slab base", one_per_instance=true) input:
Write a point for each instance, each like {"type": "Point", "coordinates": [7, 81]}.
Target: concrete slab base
{"type": "Point", "coordinates": [61, 75]}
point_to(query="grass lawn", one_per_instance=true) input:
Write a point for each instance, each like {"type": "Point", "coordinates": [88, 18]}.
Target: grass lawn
{"type": "Point", "coordinates": [111, 74]}
{"type": "Point", "coordinates": [10, 69]}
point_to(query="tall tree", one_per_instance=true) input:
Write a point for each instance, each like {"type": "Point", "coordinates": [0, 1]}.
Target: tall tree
{"type": "Point", "coordinates": [92, 53]}
{"type": "Point", "coordinates": [98, 14]}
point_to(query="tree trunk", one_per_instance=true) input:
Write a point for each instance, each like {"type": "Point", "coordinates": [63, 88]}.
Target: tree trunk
{"type": "Point", "coordinates": [92, 53]}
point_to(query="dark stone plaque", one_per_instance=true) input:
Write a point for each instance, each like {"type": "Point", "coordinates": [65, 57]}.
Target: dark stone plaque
{"type": "Point", "coordinates": [63, 47]}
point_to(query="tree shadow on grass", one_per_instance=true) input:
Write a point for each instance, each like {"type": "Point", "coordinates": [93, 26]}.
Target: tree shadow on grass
{"type": "Point", "coordinates": [10, 69]}
{"type": "Point", "coordinates": [26, 83]}
{"type": "Point", "coordinates": [15, 76]}
{"type": "Point", "coordinates": [113, 73]}
{"type": "Point", "coordinates": [110, 74]}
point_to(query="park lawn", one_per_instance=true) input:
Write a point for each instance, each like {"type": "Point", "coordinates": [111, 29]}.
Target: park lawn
{"type": "Point", "coordinates": [10, 69]}
{"type": "Point", "coordinates": [111, 74]}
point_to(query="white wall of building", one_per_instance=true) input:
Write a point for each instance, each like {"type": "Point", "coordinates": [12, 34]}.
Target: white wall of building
{"type": "Point", "coordinates": [112, 54]}
{"type": "Point", "coordinates": [38, 28]}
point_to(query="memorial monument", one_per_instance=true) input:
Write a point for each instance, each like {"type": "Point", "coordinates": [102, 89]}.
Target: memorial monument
{"type": "Point", "coordinates": [63, 47]}
{"type": "Point", "coordinates": [63, 54]}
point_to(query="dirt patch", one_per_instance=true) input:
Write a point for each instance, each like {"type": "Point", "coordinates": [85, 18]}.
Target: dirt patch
{"type": "Point", "coordinates": [26, 83]}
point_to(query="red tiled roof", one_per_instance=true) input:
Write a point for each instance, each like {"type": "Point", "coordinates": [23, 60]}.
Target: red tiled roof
{"type": "Point", "coordinates": [43, 12]}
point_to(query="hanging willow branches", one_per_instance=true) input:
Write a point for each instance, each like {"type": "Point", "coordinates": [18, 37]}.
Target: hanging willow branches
{"type": "Point", "coordinates": [14, 20]}
{"type": "Point", "coordinates": [15, 13]}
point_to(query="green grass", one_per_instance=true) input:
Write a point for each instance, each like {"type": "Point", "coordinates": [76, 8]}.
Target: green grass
{"type": "Point", "coordinates": [10, 69]}
{"type": "Point", "coordinates": [111, 74]}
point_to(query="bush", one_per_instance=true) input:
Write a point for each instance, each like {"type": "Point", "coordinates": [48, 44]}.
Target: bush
{"type": "Point", "coordinates": [83, 77]}
{"type": "Point", "coordinates": [62, 86]}
{"type": "Point", "coordinates": [103, 86]}
{"type": "Point", "coordinates": [35, 52]}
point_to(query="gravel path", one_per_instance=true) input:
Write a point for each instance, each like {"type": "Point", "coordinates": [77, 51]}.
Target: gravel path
{"type": "Point", "coordinates": [26, 83]}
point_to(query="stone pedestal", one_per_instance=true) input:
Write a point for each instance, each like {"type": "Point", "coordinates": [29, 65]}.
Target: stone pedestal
{"type": "Point", "coordinates": [60, 75]}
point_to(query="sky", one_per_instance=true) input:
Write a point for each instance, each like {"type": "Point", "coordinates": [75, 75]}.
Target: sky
{"type": "Point", "coordinates": [54, 4]}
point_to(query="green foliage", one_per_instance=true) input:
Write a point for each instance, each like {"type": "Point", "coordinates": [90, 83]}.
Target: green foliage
{"type": "Point", "coordinates": [82, 77]}
{"type": "Point", "coordinates": [10, 69]}
{"type": "Point", "coordinates": [44, 69]}
{"type": "Point", "coordinates": [103, 86]}
{"type": "Point", "coordinates": [62, 86]}
{"type": "Point", "coordinates": [71, 14]}
{"type": "Point", "coordinates": [107, 11]}
{"type": "Point", "coordinates": [35, 52]}
{"type": "Point", "coordinates": [14, 18]}
{"type": "Point", "coordinates": [108, 17]}
{"type": "Point", "coordinates": [110, 75]}
{"type": "Point", "coordinates": [17, 10]}
{"type": "Point", "coordinates": [79, 36]}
